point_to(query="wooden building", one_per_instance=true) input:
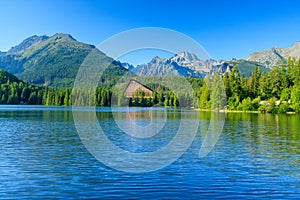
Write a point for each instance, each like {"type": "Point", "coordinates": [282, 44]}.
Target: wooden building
{"type": "Point", "coordinates": [134, 87]}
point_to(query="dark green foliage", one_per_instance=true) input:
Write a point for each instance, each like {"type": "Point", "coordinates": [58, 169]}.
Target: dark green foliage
{"type": "Point", "coordinates": [256, 103]}
{"type": "Point", "coordinates": [11, 64]}
{"type": "Point", "coordinates": [247, 67]}
{"type": "Point", "coordinates": [283, 108]}
{"type": "Point", "coordinates": [218, 94]}
{"type": "Point", "coordinates": [55, 61]}
{"type": "Point", "coordinates": [253, 83]}
{"type": "Point", "coordinates": [285, 94]}
{"type": "Point", "coordinates": [233, 103]}
{"type": "Point", "coordinates": [7, 77]}
{"type": "Point", "coordinates": [204, 101]}
{"type": "Point", "coordinates": [57, 57]}
{"type": "Point", "coordinates": [275, 92]}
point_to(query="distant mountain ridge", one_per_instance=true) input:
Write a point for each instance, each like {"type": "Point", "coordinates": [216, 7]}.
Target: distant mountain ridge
{"type": "Point", "coordinates": [183, 64]}
{"type": "Point", "coordinates": [51, 60]}
{"type": "Point", "coordinates": [189, 65]}
{"type": "Point", "coordinates": [55, 60]}
{"type": "Point", "coordinates": [27, 43]}
{"type": "Point", "coordinates": [270, 57]}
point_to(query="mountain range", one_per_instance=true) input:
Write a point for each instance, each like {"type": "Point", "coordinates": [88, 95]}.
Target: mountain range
{"type": "Point", "coordinates": [189, 65]}
{"type": "Point", "coordinates": [183, 64]}
{"type": "Point", "coordinates": [55, 61]}
{"type": "Point", "coordinates": [51, 60]}
{"type": "Point", "coordinates": [270, 57]}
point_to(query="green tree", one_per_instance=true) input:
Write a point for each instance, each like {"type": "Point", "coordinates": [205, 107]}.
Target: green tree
{"type": "Point", "coordinates": [204, 101]}
{"type": "Point", "coordinates": [246, 104]}
{"type": "Point", "coordinates": [295, 97]}
{"type": "Point", "coordinates": [67, 97]}
{"type": "Point", "coordinates": [275, 82]}
{"type": "Point", "coordinates": [285, 94]}
{"type": "Point", "coordinates": [253, 83]}
{"type": "Point", "coordinates": [218, 95]}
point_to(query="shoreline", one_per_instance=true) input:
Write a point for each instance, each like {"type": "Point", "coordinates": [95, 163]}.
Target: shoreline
{"type": "Point", "coordinates": [241, 111]}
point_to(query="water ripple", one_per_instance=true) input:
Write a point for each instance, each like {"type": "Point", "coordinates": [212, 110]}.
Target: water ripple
{"type": "Point", "coordinates": [41, 156]}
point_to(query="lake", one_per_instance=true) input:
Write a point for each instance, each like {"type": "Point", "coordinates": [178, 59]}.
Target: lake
{"type": "Point", "coordinates": [43, 156]}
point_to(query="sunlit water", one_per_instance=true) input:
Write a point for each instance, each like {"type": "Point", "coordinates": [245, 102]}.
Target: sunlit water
{"type": "Point", "coordinates": [42, 156]}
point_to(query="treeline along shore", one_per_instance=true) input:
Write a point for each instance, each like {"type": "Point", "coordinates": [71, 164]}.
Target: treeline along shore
{"type": "Point", "coordinates": [277, 91]}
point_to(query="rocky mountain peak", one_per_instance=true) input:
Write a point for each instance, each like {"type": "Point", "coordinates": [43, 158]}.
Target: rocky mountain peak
{"type": "Point", "coordinates": [59, 36]}
{"type": "Point", "coordinates": [188, 56]}
{"type": "Point", "coordinates": [294, 50]}
{"type": "Point", "coordinates": [183, 64]}
{"type": "Point", "coordinates": [26, 44]}
{"type": "Point", "coordinates": [271, 57]}
{"type": "Point", "coordinates": [157, 60]}
{"type": "Point", "coordinates": [127, 66]}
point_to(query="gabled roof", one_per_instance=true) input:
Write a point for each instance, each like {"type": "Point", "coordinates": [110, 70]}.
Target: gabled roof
{"type": "Point", "coordinates": [132, 88]}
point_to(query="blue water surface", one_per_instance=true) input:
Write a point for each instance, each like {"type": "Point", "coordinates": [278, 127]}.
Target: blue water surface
{"type": "Point", "coordinates": [42, 156]}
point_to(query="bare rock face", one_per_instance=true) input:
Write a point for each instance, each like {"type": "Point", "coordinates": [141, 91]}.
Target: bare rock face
{"type": "Point", "coordinates": [127, 66]}
{"type": "Point", "coordinates": [26, 44]}
{"type": "Point", "coordinates": [189, 65]}
{"type": "Point", "coordinates": [293, 51]}
{"type": "Point", "coordinates": [271, 57]}
{"type": "Point", "coordinates": [190, 60]}
{"type": "Point", "coordinates": [183, 64]}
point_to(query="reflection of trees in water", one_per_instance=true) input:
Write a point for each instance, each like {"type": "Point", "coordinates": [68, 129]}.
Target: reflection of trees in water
{"type": "Point", "coordinates": [267, 137]}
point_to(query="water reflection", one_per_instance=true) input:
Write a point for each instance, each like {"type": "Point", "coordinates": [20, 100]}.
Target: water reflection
{"type": "Point", "coordinates": [271, 141]}
{"type": "Point", "coordinates": [141, 123]}
{"type": "Point", "coordinates": [41, 156]}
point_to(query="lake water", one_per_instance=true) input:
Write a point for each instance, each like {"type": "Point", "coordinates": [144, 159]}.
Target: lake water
{"type": "Point", "coordinates": [42, 156]}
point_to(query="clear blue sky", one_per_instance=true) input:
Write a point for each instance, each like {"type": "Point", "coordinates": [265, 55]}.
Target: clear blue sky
{"type": "Point", "coordinates": [226, 29]}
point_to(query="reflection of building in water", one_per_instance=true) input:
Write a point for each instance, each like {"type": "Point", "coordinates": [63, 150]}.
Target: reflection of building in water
{"type": "Point", "coordinates": [139, 114]}
{"type": "Point", "coordinates": [134, 87]}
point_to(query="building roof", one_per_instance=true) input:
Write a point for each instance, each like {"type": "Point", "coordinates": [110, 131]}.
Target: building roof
{"type": "Point", "coordinates": [133, 87]}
